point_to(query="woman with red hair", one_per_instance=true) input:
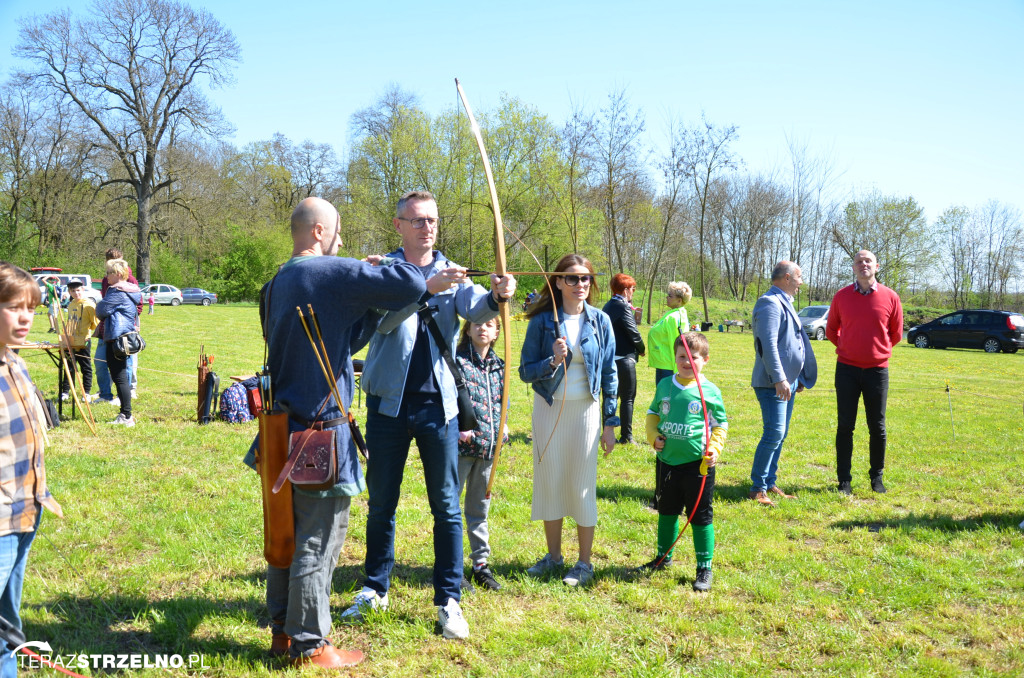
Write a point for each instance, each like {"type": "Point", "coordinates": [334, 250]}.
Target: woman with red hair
{"type": "Point", "coordinates": [629, 346]}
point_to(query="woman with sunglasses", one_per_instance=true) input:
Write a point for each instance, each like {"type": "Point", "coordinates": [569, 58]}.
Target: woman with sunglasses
{"type": "Point", "coordinates": [571, 367]}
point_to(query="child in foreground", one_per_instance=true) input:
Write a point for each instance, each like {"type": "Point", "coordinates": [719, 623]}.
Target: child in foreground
{"type": "Point", "coordinates": [484, 373]}
{"type": "Point", "coordinates": [22, 472]}
{"type": "Point", "coordinates": [676, 430]}
{"type": "Point", "coordinates": [82, 321]}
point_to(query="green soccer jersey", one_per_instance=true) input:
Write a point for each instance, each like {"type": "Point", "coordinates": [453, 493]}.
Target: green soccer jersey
{"type": "Point", "coordinates": [682, 419]}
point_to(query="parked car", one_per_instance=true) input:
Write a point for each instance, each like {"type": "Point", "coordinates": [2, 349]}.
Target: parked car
{"type": "Point", "coordinates": [195, 295]}
{"type": "Point", "coordinates": [992, 331]}
{"type": "Point", "coordinates": [162, 294]}
{"type": "Point", "coordinates": [813, 318]}
{"type": "Point", "coordinates": [90, 291]}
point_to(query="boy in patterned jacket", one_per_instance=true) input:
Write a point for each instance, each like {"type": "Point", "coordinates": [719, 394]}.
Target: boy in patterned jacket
{"type": "Point", "coordinates": [484, 373]}
{"type": "Point", "coordinates": [676, 430]}
{"type": "Point", "coordinates": [22, 471]}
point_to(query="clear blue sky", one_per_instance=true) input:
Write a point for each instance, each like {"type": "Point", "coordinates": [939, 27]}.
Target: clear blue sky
{"type": "Point", "coordinates": [921, 98]}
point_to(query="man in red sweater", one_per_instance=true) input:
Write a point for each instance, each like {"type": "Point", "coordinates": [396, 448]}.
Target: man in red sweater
{"type": "Point", "coordinates": [864, 322]}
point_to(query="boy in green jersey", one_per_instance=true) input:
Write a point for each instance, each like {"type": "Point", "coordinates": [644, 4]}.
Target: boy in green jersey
{"type": "Point", "coordinates": [676, 430]}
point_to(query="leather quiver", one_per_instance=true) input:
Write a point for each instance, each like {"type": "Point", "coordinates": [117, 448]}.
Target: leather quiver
{"type": "Point", "coordinates": [278, 515]}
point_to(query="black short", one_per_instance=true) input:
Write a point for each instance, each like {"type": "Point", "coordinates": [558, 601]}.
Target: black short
{"type": "Point", "coordinates": [678, 487]}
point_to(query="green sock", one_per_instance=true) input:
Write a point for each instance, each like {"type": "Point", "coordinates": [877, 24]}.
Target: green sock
{"type": "Point", "coordinates": [703, 543]}
{"type": "Point", "coordinates": [668, 530]}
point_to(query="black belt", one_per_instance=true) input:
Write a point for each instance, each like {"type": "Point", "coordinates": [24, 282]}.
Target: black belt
{"type": "Point", "coordinates": [317, 425]}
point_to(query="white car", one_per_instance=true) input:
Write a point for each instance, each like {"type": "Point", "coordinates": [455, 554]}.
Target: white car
{"type": "Point", "coordinates": [162, 294]}
{"type": "Point", "coordinates": [65, 278]}
{"type": "Point", "coordinates": [813, 319]}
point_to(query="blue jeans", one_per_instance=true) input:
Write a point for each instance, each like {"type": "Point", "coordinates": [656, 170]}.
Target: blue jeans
{"type": "Point", "coordinates": [13, 556]}
{"type": "Point", "coordinates": [299, 597]}
{"type": "Point", "coordinates": [388, 441]}
{"type": "Point", "coordinates": [102, 371]}
{"type": "Point", "coordinates": [775, 415]}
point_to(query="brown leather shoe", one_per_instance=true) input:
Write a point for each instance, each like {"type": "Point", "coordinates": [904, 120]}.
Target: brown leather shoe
{"type": "Point", "coordinates": [279, 644]}
{"type": "Point", "coordinates": [329, 657]}
{"type": "Point", "coordinates": [776, 490]}
{"type": "Point", "coordinates": [761, 498]}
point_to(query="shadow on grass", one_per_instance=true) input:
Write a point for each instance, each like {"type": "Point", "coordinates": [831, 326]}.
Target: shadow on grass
{"type": "Point", "coordinates": [90, 625]}
{"type": "Point", "coordinates": [740, 492]}
{"type": "Point", "coordinates": [350, 577]}
{"type": "Point", "coordinates": [939, 523]}
{"type": "Point", "coordinates": [618, 493]}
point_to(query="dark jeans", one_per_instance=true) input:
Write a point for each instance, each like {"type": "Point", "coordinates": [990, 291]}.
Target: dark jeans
{"type": "Point", "coordinates": [83, 359]}
{"type": "Point", "coordinates": [388, 439]}
{"type": "Point", "coordinates": [851, 384]}
{"type": "Point", "coordinates": [119, 375]}
{"type": "Point", "coordinates": [660, 374]}
{"type": "Point", "coordinates": [626, 367]}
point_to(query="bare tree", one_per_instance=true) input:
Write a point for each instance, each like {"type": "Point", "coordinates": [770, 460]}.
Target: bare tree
{"type": "Point", "coordinates": [963, 253]}
{"type": "Point", "coordinates": [576, 154]}
{"type": "Point", "coordinates": [134, 69]}
{"type": "Point", "coordinates": [751, 232]}
{"type": "Point", "coordinates": [707, 155]}
{"type": "Point", "coordinates": [672, 202]}
{"type": "Point", "coordinates": [1002, 233]}
{"type": "Point", "coordinates": [622, 185]}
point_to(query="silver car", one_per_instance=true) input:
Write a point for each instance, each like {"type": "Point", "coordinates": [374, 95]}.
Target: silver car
{"type": "Point", "coordinates": [162, 294]}
{"type": "Point", "coordinates": [813, 318]}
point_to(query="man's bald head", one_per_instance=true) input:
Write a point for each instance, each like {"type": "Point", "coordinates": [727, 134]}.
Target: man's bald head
{"type": "Point", "coordinates": [315, 224]}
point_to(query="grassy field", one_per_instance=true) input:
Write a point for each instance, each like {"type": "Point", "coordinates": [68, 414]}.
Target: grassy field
{"type": "Point", "coordinates": [160, 550]}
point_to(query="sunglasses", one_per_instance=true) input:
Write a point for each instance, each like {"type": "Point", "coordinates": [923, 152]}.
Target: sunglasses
{"type": "Point", "coordinates": [574, 280]}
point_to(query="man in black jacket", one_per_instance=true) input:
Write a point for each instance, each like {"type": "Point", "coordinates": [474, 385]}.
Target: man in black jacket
{"type": "Point", "coordinates": [629, 345]}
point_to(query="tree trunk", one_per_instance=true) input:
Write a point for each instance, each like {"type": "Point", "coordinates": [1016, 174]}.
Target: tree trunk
{"type": "Point", "coordinates": [142, 227]}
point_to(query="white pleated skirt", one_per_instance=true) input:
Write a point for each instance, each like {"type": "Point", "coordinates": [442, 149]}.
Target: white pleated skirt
{"type": "Point", "coordinates": [565, 480]}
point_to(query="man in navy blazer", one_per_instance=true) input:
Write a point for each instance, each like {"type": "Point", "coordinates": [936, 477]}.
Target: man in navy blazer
{"type": "Point", "coordinates": [784, 365]}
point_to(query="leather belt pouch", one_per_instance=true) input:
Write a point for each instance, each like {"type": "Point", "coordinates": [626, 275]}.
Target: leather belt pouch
{"type": "Point", "coordinates": [312, 460]}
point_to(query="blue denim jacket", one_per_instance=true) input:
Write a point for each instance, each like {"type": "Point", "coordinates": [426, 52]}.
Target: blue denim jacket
{"type": "Point", "coordinates": [597, 346]}
{"type": "Point", "coordinates": [387, 361]}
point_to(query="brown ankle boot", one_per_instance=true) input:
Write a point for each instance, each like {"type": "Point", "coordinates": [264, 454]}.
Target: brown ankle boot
{"type": "Point", "coordinates": [279, 644]}
{"type": "Point", "coordinates": [329, 657]}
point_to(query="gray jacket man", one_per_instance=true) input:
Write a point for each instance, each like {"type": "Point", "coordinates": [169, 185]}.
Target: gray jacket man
{"type": "Point", "coordinates": [784, 365]}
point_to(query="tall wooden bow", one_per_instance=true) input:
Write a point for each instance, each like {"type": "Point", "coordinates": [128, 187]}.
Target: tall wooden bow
{"type": "Point", "coordinates": [500, 268]}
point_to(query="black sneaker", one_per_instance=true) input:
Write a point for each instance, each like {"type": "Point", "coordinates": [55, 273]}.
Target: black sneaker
{"type": "Point", "coordinates": [466, 585]}
{"type": "Point", "coordinates": [702, 583]}
{"type": "Point", "coordinates": [877, 485]}
{"type": "Point", "coordinates": [485, 578]}
{"type": "Point", "coordinates": [844, 487]}
{"type": "Point", "coordinates": [656, 565]}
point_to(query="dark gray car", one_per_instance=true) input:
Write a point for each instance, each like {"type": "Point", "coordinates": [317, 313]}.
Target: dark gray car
{"type": "Point", "coordinates": [196, 295]}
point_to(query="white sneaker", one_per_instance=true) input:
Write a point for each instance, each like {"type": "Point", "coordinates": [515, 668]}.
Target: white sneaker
{"type": "Point", "coordinates": [545, 565]}
{"type": "Point", "coordinates": [134, 394]}
{"type": "Point", "coordinates": [366, 600]}
{"type": "Point", "coordinates": [122, 420]}
{"type": "Point", "coordinates": [581, 574]}
{"type": "Point", "coordinates": [453, 624]}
